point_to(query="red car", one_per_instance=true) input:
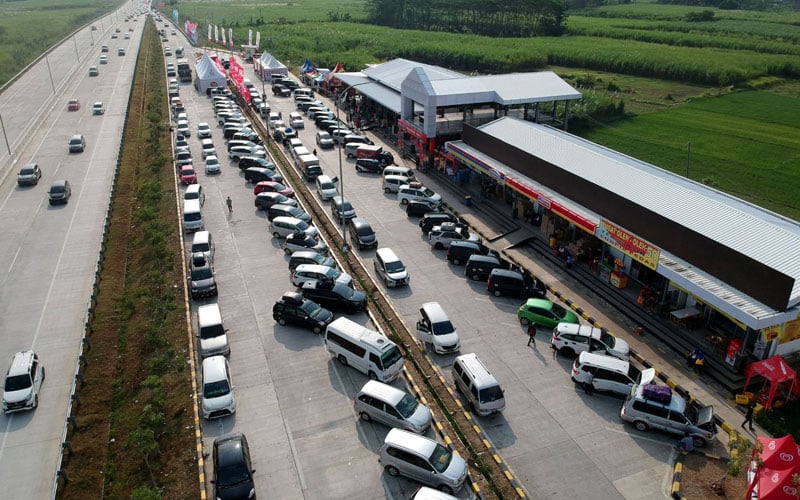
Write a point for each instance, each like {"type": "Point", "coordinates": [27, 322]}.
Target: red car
{"type": "Point", "coordinates": [273, 187]}
{"type": "Point", "coordinates": [188, 175]}
{"type": "Point", "coordinates": [73, 105]}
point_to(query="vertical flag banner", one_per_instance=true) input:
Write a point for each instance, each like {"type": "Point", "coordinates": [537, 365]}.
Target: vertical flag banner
{"type": "Point", "coordinates": [191, 30]}
{"type": "Point", "coordinates": [216, 34]}
{"type": "Point", "coordinates": [230, 38]}
{"type": "Point", "coordinates": [258, 40]}
{"type": "Point", "coordinates": [175, 16]}
{"type": "Point", "coordinates": [249, 37]}
{"type": "Point", "coordinates": [223, 37]}
{"type": "Point", "coordinates": [209, 32]}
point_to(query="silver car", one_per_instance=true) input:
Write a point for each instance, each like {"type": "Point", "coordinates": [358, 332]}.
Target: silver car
{"type": "Point", "coordinates": [407, 454]}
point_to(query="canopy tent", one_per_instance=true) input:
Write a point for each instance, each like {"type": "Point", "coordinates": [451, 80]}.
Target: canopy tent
{"type": "Point", "coordinates": [779, 462]}
{"type": "Point", "coordinates": [775, 371]}
{"type": "Point", "coordinates": [208, 75]}
{"type": "Point", "coordinates": [267, 66]}
{"type": "Point", "coordinates": [778, 453]}
{"type": "Point", "coordinates": [307, 67]}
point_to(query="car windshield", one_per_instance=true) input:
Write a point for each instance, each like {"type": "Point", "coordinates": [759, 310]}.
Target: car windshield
{"type": "Point", "coordinates": [559, 311]}
{"type": "Point", "coordinates": [332, 274]}
{"type": "Point", "coordinates": [216, 389]}
{"type": "Point", "coordinates": [391, 357]}
{"type": "Point", "coordinates": [442, 328]}
{"type": "Point", "coordinates": [301, 225]}
{"type": "Point", "coordinates": [26, 171]}
{"type": "Point", "coordinates": [202, 273]}
{"type": "Point", "coordinates": [232, 473]}
{"type": "Point", "coordinates": [428, 192]}
{"type": "Point", "coordinates": [489, 394]}
{"type": "Point", "coordinates": [364, 231]}
{"type": "Point", "coordinates": [18, 382]}
{"type": "Point", "coordinates": [407, 406]}
{"type": "Point", "coordinates": [279, 187]}
{"type": "Point", "coordinates": [344, 291]}
{"type": "Point", "coordinates": [441, 457]}
{"type": "Point", "coordinates": [395, 267]}
{"type": "Point", "coordinates": [346, 206]}
{"type": "Point", "coordinates": [326, 185]}
{"type": "Point", "coordinates": [192, 216]}
{"type": "Point", "coordinates": [607, 339]}
{"type": "Point", "coordinates": [57, 189]}
{"type": "Point", "coordinates": [312, 309]}
{"type": "Point", "coordinates": [211, 332]}
{"type": "Point", "coordinates": [188, 171]}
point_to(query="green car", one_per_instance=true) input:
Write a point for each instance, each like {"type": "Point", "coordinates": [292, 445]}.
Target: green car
{"type": "Point", "coordinates": [545, 313]}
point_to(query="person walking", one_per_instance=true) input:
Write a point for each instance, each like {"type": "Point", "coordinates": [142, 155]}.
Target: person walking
{"type": "Point", "coordinates": [230, 205]}
{"type": "Point", "coordinates": [588, 388]}
{"type": "Point", "coordinates": [532, 334]}
{"type": "Point", "coordinates": [748, 416]}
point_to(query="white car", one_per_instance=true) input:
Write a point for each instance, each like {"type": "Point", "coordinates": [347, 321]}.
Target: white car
{"type": "Point", "coordinates": [573, 339]}
{"type": "Point", "coordinates": [316, 272]}
{"type": "Point", "coordinates": [440, 237]}
{"type": "Point", "coordinates": [98, 108]}
{"type": "Point", "coordinates": [281, 227]}
{"type": "Point", "coordinates": [23, 382]}
{"type": "Point", "coordinates": [418, 193]}
{"type": "Point", "coordinates": [207, 146]}
{"type": "Point", "coordinates": [275, 120]}
{"type": "Point", "coordinates": [218, 398]}
{"type": "Point", "coordinates": [203, 130]}
{"type": "Point", "coordinates": [183, 128]}
{"type": "Point", "coordinates": [296, 120]}
{"type": "Point", "coordinates": [212, 165]}
{"type": "Point", "coordinates": [326, 187]}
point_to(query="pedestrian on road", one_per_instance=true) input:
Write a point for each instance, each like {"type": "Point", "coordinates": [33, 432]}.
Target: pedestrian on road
{"type": "Point", "coordinates": [748, 416]}
{"type": "Point", "coordinates": [588, 388]}
{"type": "Point", "coordinates": [230, 205]}
{"type": "Point", "coordinates": [532, 334]}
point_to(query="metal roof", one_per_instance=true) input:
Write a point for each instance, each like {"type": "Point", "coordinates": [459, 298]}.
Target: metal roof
{"type": "Point", "coordinates": [508, 90]}
{"type": "Point", "coordinates": [392, 73]}
{"type": "Point", "coordinates": [754, 231]}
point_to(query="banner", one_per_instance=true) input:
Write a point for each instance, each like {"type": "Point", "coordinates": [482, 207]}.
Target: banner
{"type": "Point", "coordinates": [216, 34]}
{"type": "Point", "coordinates": [249, 37]}
{"type": "Point", "coordinates": [230, 38]}
{"type": "Point", "coordinates": [175, 16]}
{"type": "Point", "coordinates": [209, 32]}
{"type": "Point", "coordinates": [191, 31]}
{"type": "Point", "coordinates": [258, 40]}
{"type": "Point", "coordinates": [222, 38]}
{"type": "Point", "coordinates": [630, 244]}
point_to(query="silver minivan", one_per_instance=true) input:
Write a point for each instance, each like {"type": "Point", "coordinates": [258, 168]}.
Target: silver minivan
{"type": "Point", "coordinates": [390, 268]}
{"type": "Point", "coordinates": [217, 395]}
{"type": "Point", "coordinates": [392, 407]}
{"type": "Point", "coordinates": [407, 454]}
{"type": "Point", "coordinates": [192, 216]}
{"type": "Point", "coordinates": [203, 243]}
{"type": "Point", "coordinates": [478, 385]}
{"type": "Point", "coordinates": [435, 328]}
{"type": "Point", "coordinates": [212, 334]}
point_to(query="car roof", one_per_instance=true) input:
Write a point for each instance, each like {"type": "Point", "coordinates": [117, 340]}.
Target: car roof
{"type": "Point", "coordinates": [228, 448]}
{"type": "Point", "coordinates": [21, 362]}
{"type": "Point", "coordinates": [313, 268]}
{"type": "Point", "coordinates": [410, 441]}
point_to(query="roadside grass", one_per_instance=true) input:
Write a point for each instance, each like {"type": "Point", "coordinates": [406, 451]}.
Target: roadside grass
{"type": "Point", "coordinates": [22, 38]}
{"type": "Point", "coordinates": [136, 432]}
{"type": "Point", "coordinates": [745, 143]}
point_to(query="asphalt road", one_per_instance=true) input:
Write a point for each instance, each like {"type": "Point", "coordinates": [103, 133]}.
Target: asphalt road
{"type": "Point", "coordinates": [48, 253]}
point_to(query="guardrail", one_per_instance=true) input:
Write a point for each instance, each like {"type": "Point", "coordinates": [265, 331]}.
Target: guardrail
{"type": "Point", "coordinates": [71, 421]}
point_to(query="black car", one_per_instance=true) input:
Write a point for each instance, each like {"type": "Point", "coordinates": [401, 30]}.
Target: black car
{"type": "Point", "coordinates": [385, 157]}
{"type": "Point", "coordinates": [281, 91]}
{"type": "Point", "coordinates": [246, 162]}
{"type": "Point", "coordinates": [258, 174]}
{"type": "Point", "coordinates": [435, 219]}
{"type": "Point", "coordinates": [233, 469]}
{"type": "Point", "coordinates": [266, 200]}
{"type": "Point", "coordinates": [369, 165]}
{"type": "Point", "coordinates": [419, 209]}
{"type": "Point", "coordinates": [309, 257]}
{"type": "Point", "coordinates": [286, 82]}
{"type": "Point", "coordinates": [293, 308]}
{"type": "Point", "coordinates": [247, 134]}
{"type": "Point", "coordinates": [335, 296]}
{"type": "Point", "coordinates": [280, 210]}
{"type": "Point", "coordinates": [514, 284]}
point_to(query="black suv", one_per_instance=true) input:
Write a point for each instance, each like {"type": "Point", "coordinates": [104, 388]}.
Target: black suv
{"type": "Point", "coordinates": [280, 90]}
{"type": "Point", "coordinates": [362, 234]}
{"type": "Point", "coordinates": [335, 296]}
{"type": "Point", "coordinates": [258, 174]}
{"type": "Point", "coordinates": [292, 308]}
{"type": "Point", "coordinates": [430, 220]}
{"type": "Point", "coordinates": [286, 82]}
{"type": "Point", "coordinates": [369, 165]}
{"type": "Point", "coordinates": [246, 162]}
{"type": "Point", "coordinates": [514, 284]}
{"type": "Point", "coordinates": [266, 200]}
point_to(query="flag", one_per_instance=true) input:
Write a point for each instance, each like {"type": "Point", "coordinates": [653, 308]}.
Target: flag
{"type": "Point", "coordinates": [249, 37]}
{"type": "Point", "coordinates": [216, 34]}
{"type": "Point", "coordinates": [258, 40]}
{"type": "Point", "coordinates": [223, 37]}
{"type": "Point", "coordinates": [209, 32]}
{"type": "Point", "coordinates": [230, 38]}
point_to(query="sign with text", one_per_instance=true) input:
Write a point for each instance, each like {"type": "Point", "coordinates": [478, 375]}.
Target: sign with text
{"type": "Point", "coordinates": [639, 249]}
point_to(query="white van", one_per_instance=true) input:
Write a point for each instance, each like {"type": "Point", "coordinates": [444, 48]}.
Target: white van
{"type": "Point", "coordinates": [435, 328]}
{"type": "Point", "coordinates": [397, 170]}
{"type": "Point", "coordinates": [192, 216]}
{"type": "Point", "coordinates": [392, 183]}
{"type": "Point", "coordinates": [194, 192]}
{"type": "Point", "coordinates": [478, 385]}
{"type": "Point", "coordinates": [392, 407]}
{"type": "Point", "coordinates": [203, 243]}
{"type": "Point", "coordinates": [390, 268]}
{"type": "Point", "coordinates": [309, 166]}
{"type": "Point", "coordinates": [211, 332]}
{"type": "Point", "coordinates": [302, 92]}
{"type": "Point", "coordinates": [421, 193]}
{"type": "Point", "coordinates": [365, 350]}
{"type": "Point", "coordinates": [610, 374]}
{"type": "Point", "coordinates": [217, 392]}
{"type": "Point", "coordinates": [299, 150]}
{"type": "Point", "coordinates": [326, 187]}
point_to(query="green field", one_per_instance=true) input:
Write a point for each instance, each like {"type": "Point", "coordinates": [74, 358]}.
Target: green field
{"type": "Point", "coordinates": [29, 27]}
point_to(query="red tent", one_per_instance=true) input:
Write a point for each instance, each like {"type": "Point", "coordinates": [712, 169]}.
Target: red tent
{"type": "Point", "coordinates": [776, 484]}
{"type": "Point", "coordinates": [776, 371]}
{"type": "Point", "coordinates": [779, 453]}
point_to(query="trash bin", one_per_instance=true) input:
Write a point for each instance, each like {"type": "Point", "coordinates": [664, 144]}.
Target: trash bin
{"type": "Point", "coordinates": [468, 200]}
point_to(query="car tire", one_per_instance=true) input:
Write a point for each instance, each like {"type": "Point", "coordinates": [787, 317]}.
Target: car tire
{"type": "Point", "coordinates": [567, 351]}
{"type": "Point", "coordinates": [372, 375]}
{"type": "Point", "coordinates": [276, 235]}
{"type": "Point", "coordinates": [445, 489]}
{"type": "Point", "coordinates": [36, 401]}
{"type": "Point", "coordinates": [342, 360]}
{"type": "Point", "coordinates": [387, 190]}
{"type": "Point", "coordinates": [282, 322]}
{"type": "Point", "coordinates": [365, 416]}
{"type": "Point", "coordinates": [44, 374]}
{"type": "Point", "coordinates": [524, 321]}
{"type": "Point", "coordinates": [404, 201]}
{"type": "Point", "coordinates": [392, 471]}
{"type": "Point", "coordinates": [456, 262]}
{"type": "Point", "coordinates": [287, 251]}
{"type": "Point", "coordinates": [438, 246]}
{"type": "Point", "coordinates": [698, 442]}
{"type": "Point", "coordinates": [497, 293]}
{"type": "Point", "coordinates": [640, 425]}
{"type": "Point", "coordinates": [317, 330]}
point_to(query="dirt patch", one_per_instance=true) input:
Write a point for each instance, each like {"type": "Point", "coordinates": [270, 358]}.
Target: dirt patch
{"type": "Point", "coordinates": [699, 472]}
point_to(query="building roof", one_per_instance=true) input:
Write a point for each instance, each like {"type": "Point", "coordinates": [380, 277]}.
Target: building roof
{"type": "Point", "coordinates": [751, 230]}
{"type": "Point", "coordinates": [392, 73]}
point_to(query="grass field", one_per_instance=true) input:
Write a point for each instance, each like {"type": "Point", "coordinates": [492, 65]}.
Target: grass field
{"type": "Point", "coordinates": [22, 38]}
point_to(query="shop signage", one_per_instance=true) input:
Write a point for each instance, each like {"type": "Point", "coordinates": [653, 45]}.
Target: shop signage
{"type": "Point", "coordinates": [565, 213]}
{"type": "Point", "coordinates": [475, 163]}
{"type": "Point", "coordinates": [543, 201]}
{"type": "Point", "coordinates": [412, 130]}
{"type": "Point", "coordinates": [638, 249]}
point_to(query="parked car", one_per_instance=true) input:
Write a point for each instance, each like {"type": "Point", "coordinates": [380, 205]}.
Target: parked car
{"type": "Point", "coordinates": [315, 272]}
{"type": "Point", "coordinates": [545, 313]}
{"type": "Point", "coordinates": [341, 209]}
{"type": "Point", "coordinates": [287, 211]}
{"type": "Point", "coordinates": [418, 209]}
{"type": "Point", "coordinates": [188, 175]}
{"type": "Point", "coordinates": [201, 277]}
{"type": "Point", "coordinates": [182, 157]}
{"type": "Point", "coordinates": [273, 187]}
{"type": "Point", "coordinates": [610, 374]}
{"type": "Point", "coordinates": [572, 339]}
{"type": "Point", "coordinates": [203, 130]}
{"type": "Point", "coordinates": [302, 241]}
{"type": "Point", "coordinates": [257, 174]}
{"type": "Point", "coordinates": [309, 257]}
{"type": "Point", "coordinates": [29, 174]}
{"type": "Point", "coordinates": [237, 152]}
{"type": "Point", "coordinates": [266, 200]}
{"type": "Point", "coordinates": [281, 91]}
{"type": "Point", "coordinates": [212, 165]}
{"type": "Point", "coordinates": [293, 308]}
{"type": "Point", "coordinates": [430, 220]}
{"type": "Point", "coordinates": [368, 165]}
{"type": "Point", "coordinates": [441, 236]}
{"type": "Point", "coordinates": [281, 227]}
{"type": "Point", "coordinates": [296, 120]}
{"type": "Point", "coordinates": [326, 187]}
{"type": "Point", "coordinates": [514, 284]}
{"type": "Point", "coordinates": [207, 148]}
{"type": "Point", "coordinates": [334, 295]}
{"type": "Point", "coordinates": [246, 162]}
{"type": "Point", "coordinates": [361, 233]}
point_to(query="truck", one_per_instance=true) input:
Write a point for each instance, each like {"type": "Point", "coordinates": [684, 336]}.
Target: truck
{"type": "Point", "coordinates": [184, 70]}
{"type": "Point", "coordinates": [308, 164]}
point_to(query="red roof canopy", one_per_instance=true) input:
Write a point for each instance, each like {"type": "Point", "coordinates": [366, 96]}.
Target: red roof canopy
{"type": "Point", "coordinates": [776, 371]}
